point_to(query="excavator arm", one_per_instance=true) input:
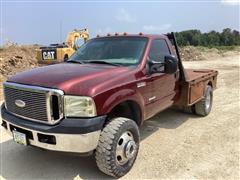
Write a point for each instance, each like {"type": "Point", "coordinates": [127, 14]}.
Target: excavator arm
{"type": "Point", "coordinates": [74, 35]}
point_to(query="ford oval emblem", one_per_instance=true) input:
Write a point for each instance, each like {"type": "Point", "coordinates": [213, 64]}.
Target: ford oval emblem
{"type": "Point", "coordinates": [20, 103]}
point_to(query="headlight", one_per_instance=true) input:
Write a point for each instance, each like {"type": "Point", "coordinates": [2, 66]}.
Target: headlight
{"type": "Point", "coordinates": [79, 106]}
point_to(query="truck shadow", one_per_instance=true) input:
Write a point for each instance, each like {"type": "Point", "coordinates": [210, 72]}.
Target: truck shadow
{"type": "Point", "coordinates": [19, 162]}
{"type": "Point", "coordinates": [168, 119]}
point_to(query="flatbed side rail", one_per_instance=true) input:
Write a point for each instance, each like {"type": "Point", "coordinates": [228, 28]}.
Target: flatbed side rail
{"type": "Point", "coordinates": [206, 75]}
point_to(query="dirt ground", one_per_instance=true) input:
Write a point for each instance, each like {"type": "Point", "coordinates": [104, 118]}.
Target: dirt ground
{"type": "Point", "coordinates": [174, 144]}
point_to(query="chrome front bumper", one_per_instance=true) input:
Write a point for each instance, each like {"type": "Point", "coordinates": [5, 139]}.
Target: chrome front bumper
{"type": "Point", "coordinates": [77, 143]}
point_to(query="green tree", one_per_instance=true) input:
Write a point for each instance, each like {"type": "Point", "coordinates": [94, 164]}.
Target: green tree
{"type": "Point", "coordinates": [194, 37]}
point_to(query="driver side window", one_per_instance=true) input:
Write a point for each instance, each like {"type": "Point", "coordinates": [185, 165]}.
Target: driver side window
{"type": "Point", "coordinates": [159, 49]}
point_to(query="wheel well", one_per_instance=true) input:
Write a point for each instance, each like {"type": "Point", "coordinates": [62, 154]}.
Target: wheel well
{"type": "Point", "coordinates": [127, 109]}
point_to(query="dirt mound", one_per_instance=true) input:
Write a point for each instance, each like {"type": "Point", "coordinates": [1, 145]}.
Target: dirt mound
{"type": "Point", "coordinates": [17, 58]}
{"type": "Point", "coordinates": [191, 53]}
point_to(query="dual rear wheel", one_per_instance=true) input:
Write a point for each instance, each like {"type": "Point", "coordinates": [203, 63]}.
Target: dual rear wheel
{"type": "Point", "coordinates": [204, 106]}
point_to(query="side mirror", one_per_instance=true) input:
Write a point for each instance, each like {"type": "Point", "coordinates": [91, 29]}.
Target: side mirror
{"type": "Point", "coordinates": [170, 65]}
{"type": "Point", "coordinates": [154, 67]}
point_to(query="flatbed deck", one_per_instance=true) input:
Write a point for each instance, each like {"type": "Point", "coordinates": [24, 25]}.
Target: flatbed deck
{"type": "Point", "coordinates": [197, 75]}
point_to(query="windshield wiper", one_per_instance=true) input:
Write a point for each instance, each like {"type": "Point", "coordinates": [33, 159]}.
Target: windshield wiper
{"type": "Point", "coordinates": [73, 61]}
{"type": "Point", "coordinates": [102, 62]}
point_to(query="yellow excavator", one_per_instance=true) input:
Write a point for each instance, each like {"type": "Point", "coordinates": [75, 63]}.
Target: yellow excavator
{"type": "Point", "coordinates": [56, 53]}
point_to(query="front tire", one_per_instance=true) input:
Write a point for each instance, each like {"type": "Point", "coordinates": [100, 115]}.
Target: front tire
{"type": "Point", "coordinates": [118, 147]}
{"type": "Point", "coordinates": [204, 106]}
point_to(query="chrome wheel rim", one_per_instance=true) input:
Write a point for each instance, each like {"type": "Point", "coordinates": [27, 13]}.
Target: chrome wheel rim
{"type": "Point", "coordinates": [208, 101]}
{"type": "Point", "coordinates": [126, 148]}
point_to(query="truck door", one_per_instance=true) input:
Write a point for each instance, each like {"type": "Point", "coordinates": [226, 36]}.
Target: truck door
{"type": "Point", "coordinates": [164, 86]}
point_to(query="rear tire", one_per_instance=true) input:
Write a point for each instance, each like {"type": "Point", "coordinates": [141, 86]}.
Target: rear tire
{"type": "Point", "coordinates": [204, 106]}
{"type": "Point", "coordinates": [118, 147]}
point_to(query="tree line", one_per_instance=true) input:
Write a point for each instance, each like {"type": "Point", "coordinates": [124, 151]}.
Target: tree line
{"type": "Point", "coordinates": [227, 37]}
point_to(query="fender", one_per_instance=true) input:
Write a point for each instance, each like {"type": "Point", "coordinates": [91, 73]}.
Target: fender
{"type": "Point", "coordinates": [118, 97]}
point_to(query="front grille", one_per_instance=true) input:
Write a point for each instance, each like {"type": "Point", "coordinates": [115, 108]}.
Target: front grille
{"type": "Point", "coordinates": [38, 102]}
{"type": "Point", "coordinates": [35, 107]}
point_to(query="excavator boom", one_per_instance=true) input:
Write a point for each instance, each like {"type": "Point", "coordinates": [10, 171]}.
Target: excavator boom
{"type": "Point", "coordinates": [75, 35]}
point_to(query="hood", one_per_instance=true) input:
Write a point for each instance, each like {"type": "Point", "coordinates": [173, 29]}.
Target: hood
{"type": "Point", "coordinates": [79, 79]}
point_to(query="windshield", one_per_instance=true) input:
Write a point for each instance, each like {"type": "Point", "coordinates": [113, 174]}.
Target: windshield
{"type": "Point", "coordinates": [124, 51]}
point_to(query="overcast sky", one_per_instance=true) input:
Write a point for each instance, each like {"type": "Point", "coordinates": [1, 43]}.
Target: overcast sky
{"type": "Point", "coordinates": [40, 22]}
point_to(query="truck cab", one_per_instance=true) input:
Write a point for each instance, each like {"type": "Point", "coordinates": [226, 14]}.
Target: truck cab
{"type": "Point", "coordinates": [110, 86]}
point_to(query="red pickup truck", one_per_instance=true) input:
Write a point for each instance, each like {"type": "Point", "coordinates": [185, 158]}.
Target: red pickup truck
{"type": "Point", "coordinates": [97, 100]}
